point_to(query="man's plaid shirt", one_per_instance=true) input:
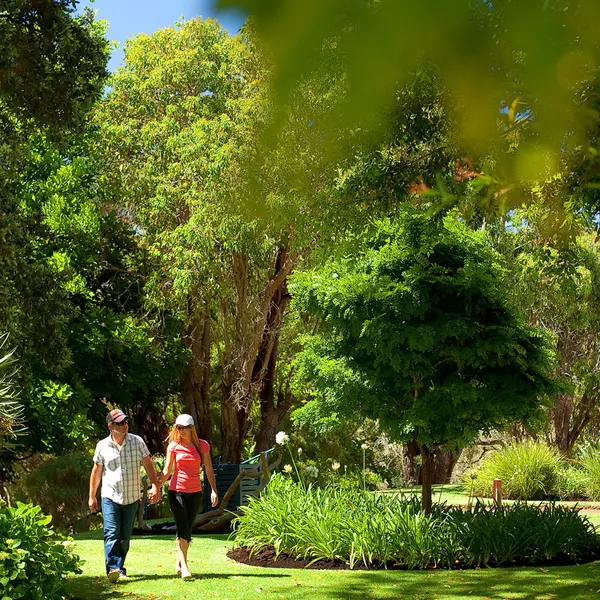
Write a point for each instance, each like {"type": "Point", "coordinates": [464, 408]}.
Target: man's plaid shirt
{"type": "Point", "coordinates": [121, 473]}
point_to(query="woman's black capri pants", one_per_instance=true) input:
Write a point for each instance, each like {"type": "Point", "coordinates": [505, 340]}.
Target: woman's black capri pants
{"type": "Point", "coordinates": [184, 506]}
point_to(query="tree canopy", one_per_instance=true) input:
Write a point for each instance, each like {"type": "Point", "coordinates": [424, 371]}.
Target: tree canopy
{"type": "Point", "coordinates": [418, 331]}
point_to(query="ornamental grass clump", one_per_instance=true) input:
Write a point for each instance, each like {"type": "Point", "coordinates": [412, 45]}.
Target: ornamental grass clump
{"type": "Point", "coordinates": [371, 530]}
{"type": "Point", "coordinates": [529, 471]}
{"type": "Point", "coordinates": [590, 462]}
{"type": "Point", "coordinates": [574, 483]}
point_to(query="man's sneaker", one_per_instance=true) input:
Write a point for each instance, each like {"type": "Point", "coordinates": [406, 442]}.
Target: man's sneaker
{"type": "Point", "coordinates": [123, 577]}
{"type": "Point", "coordinates": [113, 576]}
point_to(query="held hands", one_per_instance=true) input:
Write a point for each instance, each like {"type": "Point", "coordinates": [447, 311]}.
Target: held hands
{"type": "Point", "coordinates": [154, 495]}
{"type": "Point", "coordinates": [214, 498]}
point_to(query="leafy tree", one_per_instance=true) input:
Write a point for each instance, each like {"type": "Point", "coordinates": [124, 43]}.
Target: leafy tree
{"type": "Point", "coordinates": [182, 124]}
{"type": "Point", "coordinates": [488, 59]}
{"type": "Point", "coordinates": [53, 63]}
{"type": "Point", "coordinates": [111, 347]}
{"type": "Point", "coordinates": [418, 331]}
{"type": "Point", "coordinates": [556, 283]}
{"type": "Point", "coordinates": [53, 69]}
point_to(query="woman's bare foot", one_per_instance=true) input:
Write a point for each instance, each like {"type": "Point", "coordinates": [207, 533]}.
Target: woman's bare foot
{"type": "Point", "coordinates": [185, 574]}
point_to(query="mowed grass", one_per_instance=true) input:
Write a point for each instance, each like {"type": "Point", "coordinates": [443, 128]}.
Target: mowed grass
{"type": "Point", "coordinates": [457, 494]}
{"type": "Point", "coordinates": [151, 563]}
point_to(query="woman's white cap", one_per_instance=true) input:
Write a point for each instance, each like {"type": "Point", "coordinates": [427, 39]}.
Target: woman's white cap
{"type": "Point", "coordinates": [184, 420]}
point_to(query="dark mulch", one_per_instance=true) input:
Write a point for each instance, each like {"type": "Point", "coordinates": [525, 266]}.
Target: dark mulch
{"type": "Point", "coordinates": [266, 558]}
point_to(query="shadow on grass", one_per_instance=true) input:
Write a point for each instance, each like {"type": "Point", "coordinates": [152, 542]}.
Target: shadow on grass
{"type": "Point", "coordinates": [203, 575]}
{"type": "Point", "coordinates": [581, 582]}
{"type": "Point", "coordinates": [98, 534]}
{"type": "Point", "coordinates": [98, 588]}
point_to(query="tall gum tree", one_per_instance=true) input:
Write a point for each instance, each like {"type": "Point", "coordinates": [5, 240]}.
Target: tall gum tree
{"type": "Point", "coordinates": [417, 331]}
{"type": "Point", "coordinates": [179, 124]}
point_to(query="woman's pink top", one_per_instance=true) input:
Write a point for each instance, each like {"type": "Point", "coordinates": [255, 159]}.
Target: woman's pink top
{"type": "Point", "coordinates": [188, 461]}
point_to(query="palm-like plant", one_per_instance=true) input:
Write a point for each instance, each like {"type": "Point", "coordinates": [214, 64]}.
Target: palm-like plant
{"type": "Point", "coordinates": [11, 411]}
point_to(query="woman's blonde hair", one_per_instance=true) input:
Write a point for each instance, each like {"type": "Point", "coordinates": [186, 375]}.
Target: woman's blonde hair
{"type": "Point", "coordinates": [175, 436]}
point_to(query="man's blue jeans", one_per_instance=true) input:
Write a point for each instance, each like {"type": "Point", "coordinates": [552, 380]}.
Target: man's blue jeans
{"type": "Point", "coordinates": [118, 525]}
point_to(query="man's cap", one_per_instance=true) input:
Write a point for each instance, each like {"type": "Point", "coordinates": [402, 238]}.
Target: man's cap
{"type": "Point", "coordinates": [115, 416]}
{"type": "Point", "coordinates": [184, 420]}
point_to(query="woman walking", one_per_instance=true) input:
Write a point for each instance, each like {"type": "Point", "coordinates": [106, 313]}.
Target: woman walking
{"type": "Point", "coordinates": [186, 454]}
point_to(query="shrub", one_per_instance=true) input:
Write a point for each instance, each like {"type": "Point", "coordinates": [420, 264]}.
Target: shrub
{"type": "Point", "coordinates": [529, 471]}
{"type": "Point", "coordinates": [61, 486]}
{"type": "Point", "coordinates": [380, 530]}
{"type": "Point", "coordinates": [573, 483]}
{"type": "Point", "coordinates": [591, 464]}
{"type": "Point", "coordinates": [34, 561]}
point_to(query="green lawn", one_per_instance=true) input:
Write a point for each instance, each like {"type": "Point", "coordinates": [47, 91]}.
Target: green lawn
{"type": "Point", "coordinates": [456, 494]}
{"type": "Point", "coordinates": [152, 558]}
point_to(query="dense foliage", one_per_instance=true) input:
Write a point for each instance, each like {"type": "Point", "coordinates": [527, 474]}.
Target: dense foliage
{"type": "Point", "coordinates": [53, 61]}
{"type": "Point", "coordinates": [60, 486]}
{"type": "Point", "coordinates": [372, 530]}
{"type": "Point", "coordinates": [418, 331]}
{"type": "Point", "coordinates": [145, 252]}
{"type": "Point", "coordinates": [529, 471]}
{"type": "Point", "coordinates": [34, 561]}
{"type": "Point", "coordinates": [556, 271]}
{"type": "Point", "coordinates": [538, 78]}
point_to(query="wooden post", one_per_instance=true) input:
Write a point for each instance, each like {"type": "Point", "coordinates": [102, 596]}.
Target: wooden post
{"type": "Point", "coordinates": [497, 492]}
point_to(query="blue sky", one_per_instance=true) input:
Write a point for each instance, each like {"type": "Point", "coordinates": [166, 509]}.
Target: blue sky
{"type": "Point", "coordinates": [130, 17]}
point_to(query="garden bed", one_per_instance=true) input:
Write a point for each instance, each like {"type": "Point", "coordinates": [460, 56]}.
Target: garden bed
{"type": "Point", "coordinates": [374, 531]}
{"type": "Point", "coordinates": [268, 558]}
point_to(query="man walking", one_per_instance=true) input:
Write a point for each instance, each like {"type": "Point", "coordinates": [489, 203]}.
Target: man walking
{"type": "Point", "coordinates": [117, 463]}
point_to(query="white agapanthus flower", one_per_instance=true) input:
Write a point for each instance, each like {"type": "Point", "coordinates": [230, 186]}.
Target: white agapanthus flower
{"type": "Point", "coordinates": [299, 451]}
{"type": "Point", "coordinates": [287, 468]}
{"type": "Point", "coordinates": [364, 446]}
{"type": "Point", "coordinates": [282, 438]}
{"type": "Point", "coordinates": [312, 471]}
{"type": "Point", "coordinates": [335, 466]}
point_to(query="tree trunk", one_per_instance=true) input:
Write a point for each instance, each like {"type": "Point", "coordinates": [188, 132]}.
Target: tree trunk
{"type": "Point", "coordinates": [561, 418]}
{"type": "Point", "coordinates": [195, 381]}
{"type": "Point", "coordinates": [150, 426]}
{"type": "Point", "coordinates": [250, 355]}
{"type": "Point", "coordinates": [442, 463]}
{"type": "Point", "coordinates": [271, 413]}
{"type": "Point", "coordinates": [234, 423]}
{"type": "Point", "coordinates": [426, 472]}
{"type": "Point", "coordinates": [410, 468]}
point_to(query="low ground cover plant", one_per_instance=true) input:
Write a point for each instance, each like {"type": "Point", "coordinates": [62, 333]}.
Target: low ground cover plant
{"type": "Point", "coordinates": [372, 530]}
{"type": "Point", "coordinates": [529, 471]}
{"type": "Point", "coordinates": [34, 561]}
